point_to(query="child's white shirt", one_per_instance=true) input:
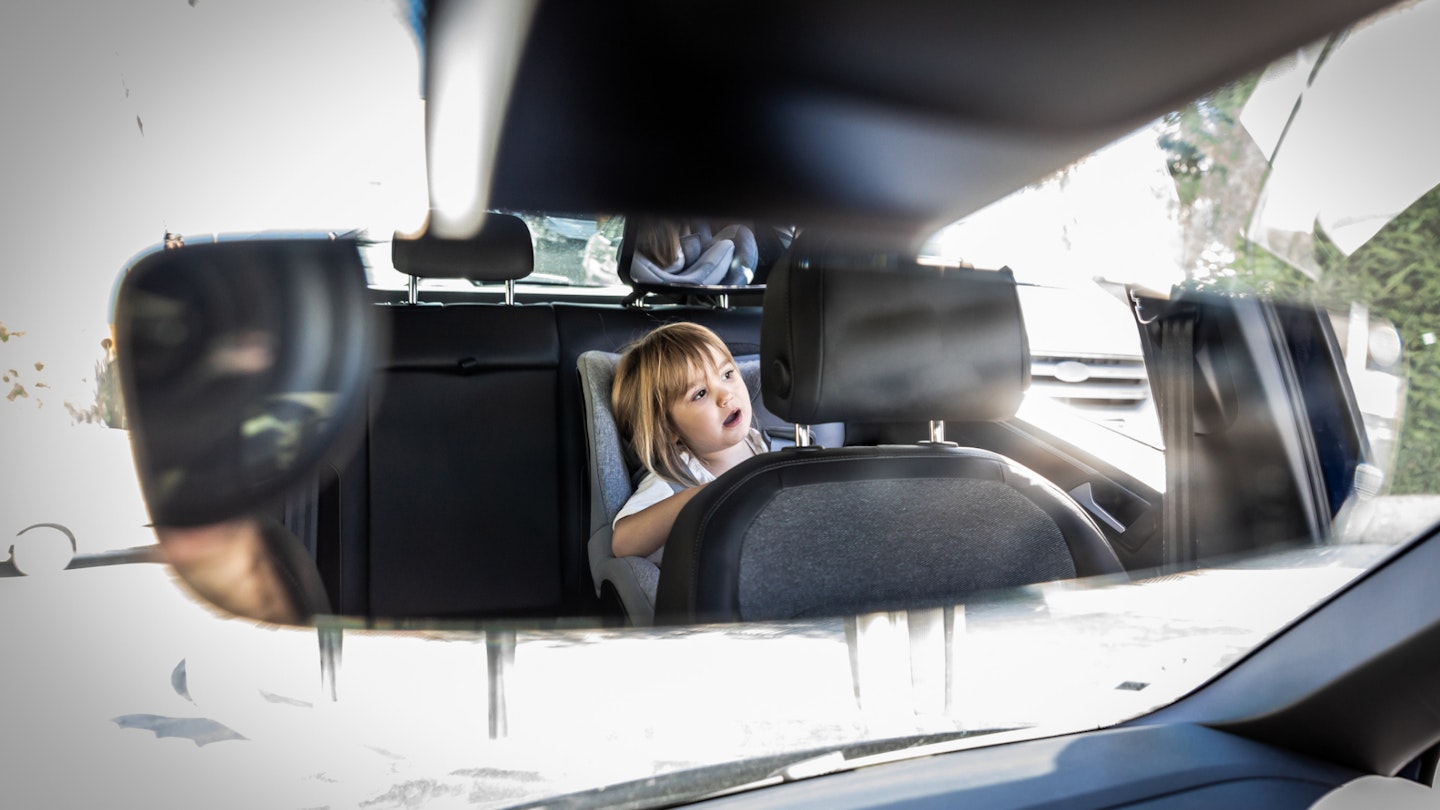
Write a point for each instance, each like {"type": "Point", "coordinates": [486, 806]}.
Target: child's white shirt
{"type": "Point", "coordinates": [653, 489]}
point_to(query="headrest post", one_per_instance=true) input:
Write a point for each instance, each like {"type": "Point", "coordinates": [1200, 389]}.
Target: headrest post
{"type": "Point", "coordinates": [722, 301]}
{"type": "Point", "coordinates": [937, 431]}
{"type": "Point", "coordinates": [802, 435]}
{"type": "Point", "coordinates": [414, 297]}
{"type": "Point", "coordinates": [509, 292]}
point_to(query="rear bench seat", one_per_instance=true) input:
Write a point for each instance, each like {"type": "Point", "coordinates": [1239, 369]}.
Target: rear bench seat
{"type": "Point", "coordinates": [462, 464]}
{"type": "Point", "coordinates": [468, 497]}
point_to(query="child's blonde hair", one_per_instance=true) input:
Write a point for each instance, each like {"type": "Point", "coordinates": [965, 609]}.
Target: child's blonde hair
{"type": "Point", "coordinates": [652, 375]}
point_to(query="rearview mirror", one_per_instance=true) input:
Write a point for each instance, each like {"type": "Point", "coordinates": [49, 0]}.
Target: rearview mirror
{"type": "Point", "coordinates": [244, 366]}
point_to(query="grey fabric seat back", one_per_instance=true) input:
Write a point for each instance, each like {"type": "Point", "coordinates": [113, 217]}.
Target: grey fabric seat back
{"type": "Point", "coordinates": [809, 532]}
{"type": "Point", "coordinates": [805, 533]}
{"type": "Point", "coordinates": [630, 580]}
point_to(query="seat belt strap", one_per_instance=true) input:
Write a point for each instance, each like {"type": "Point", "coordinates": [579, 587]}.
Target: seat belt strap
{"type": "Point", "coordinates": [1177, 416]}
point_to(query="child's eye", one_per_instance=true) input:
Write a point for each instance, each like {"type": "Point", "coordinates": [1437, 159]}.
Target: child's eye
{"type": "Point", "coordinates": [729, 373]}
{"type": "Point", "coordinates": [699, 394]}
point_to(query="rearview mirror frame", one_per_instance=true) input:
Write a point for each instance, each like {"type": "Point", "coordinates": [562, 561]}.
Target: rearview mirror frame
{"type": "Point", "coordinates": [245, 365]}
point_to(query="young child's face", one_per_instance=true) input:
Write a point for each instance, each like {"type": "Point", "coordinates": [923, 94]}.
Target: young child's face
{"type": "Point", "coordinates": [714, 411]}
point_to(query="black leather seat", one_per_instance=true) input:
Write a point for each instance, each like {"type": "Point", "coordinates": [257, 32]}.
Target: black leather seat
{"type": "Point", "coordinates": [455, 532]}
{"type": "Point", "coordinates": [836, 531]}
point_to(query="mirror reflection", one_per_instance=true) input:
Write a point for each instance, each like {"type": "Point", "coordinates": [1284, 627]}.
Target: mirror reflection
{"type": "Point", "coordinates": [700, 252]}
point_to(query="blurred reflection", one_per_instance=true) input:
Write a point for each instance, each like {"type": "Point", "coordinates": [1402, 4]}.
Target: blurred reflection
{"type": "Point", "coordinates": [245, 363]}
{"type": "Point", "coordinates": [679, 251]}
{"type": "Point", "coordinates": [273, 437]}
{"type": "Point", "coordinates": [248, 567]}
{"type": "Point", "coordinates": [249, 352]}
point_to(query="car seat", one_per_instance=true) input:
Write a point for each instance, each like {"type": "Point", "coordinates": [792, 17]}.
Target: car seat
{"type": "Point", "coordinates": [445, 536]}
{"type": "Point", "coordinates": [630, 582]}
{"type": "Point", "coordinates": [808, 531]}
{"type": "Point", "coordinates": [727, 258]}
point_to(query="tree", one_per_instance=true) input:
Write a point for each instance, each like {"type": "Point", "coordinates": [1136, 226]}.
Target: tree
{"type": "Point", "coordinates": [1219, 174]}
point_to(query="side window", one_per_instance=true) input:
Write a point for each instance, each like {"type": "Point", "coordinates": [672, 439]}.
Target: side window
{"type": "Point", "coordinates": [1074, 241]}
{"type": "Point", "coordinates": [1085, 354]}
{"type": "Point", "coordinates": [573, 250]}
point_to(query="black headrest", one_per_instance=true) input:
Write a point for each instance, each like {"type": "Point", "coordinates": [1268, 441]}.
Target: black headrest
{"type": "Point", "coordinates": [501, 251]}
{"type": "Point", "coordinates": [851, 337]}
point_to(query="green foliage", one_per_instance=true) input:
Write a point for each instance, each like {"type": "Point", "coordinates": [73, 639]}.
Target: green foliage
{"type": "Point", "coordinates": [1218, 174]}
{"type": "Point", "coordinates": [1397, 273]}
{"type": "Point", "coordinates": [1199, 140]}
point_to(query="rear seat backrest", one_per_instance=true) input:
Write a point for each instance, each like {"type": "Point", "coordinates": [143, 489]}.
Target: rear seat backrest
{"type": "Point", "coordinates": [463, 480]}
{"type": "Point", "coordinates": [461, 493]}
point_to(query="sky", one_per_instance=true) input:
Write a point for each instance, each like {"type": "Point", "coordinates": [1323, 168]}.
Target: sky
{"type": "Point", "coordinates": [1352, 158]}
{"type": "Point", "coordinates": [126, 119]}
{"type": "Point", "coordinates": [1112, 215]}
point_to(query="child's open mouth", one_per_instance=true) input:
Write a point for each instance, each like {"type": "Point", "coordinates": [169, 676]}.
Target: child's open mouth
{"type": "Point", "coordinates": [733, 418]}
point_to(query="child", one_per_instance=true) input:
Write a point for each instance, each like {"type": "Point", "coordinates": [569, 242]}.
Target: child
{"type": "Point", "coordinates": [680, 400]}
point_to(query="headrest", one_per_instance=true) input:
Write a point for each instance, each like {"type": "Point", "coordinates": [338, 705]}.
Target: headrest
{"type": "Point", "coordinates": [501, 251]}
{"type": "Point", "coordinates": [870, 338]}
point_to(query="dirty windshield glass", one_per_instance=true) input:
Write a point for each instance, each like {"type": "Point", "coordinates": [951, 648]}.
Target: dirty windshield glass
{"type": "Point", "coordinates": [1299, 202]}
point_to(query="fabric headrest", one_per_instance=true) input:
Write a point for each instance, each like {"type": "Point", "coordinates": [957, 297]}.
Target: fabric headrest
{"type": "Point", "coordinates": [872, 338]}
{"type": "Point", "coordinates": [501, 251]}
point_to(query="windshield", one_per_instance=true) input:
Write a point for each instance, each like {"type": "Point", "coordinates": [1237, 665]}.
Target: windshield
{"type": "Point", "coordinates": [1296, 210]}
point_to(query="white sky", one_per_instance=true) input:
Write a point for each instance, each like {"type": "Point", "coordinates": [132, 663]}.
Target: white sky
{"type": "Point", "coordinates": [1113, 215]}
{"type": "Point", "coordinates": [1360, 148]}
{"type": "Point", "coordinates": [258, 114]}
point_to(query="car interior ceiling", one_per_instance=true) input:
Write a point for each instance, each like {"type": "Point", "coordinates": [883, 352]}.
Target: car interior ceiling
{"type": "Point", "coordinates": [801, 133]}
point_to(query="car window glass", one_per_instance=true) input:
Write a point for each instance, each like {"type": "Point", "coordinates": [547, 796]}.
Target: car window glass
{"type": "Point", "coordinates": [1209, 198]}
{"type": "Point", "coordinates": [1074, 240]}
